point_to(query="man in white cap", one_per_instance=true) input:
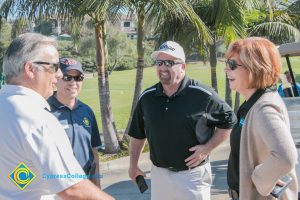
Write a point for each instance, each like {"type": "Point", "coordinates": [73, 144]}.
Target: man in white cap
{"type": "Point", "coordinates": [183, 121]}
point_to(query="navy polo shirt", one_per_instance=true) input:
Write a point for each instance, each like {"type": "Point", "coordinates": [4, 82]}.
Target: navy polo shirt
{"type": "Point", "coordinates": [174, 124]}
{"type": "Point", "coordinates": [81, 127]}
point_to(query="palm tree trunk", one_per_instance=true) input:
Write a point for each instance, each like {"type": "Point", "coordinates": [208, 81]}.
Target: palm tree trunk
{"type": "Point", "coordinates": [140, 62]}
{"type": "Point", "coordinates": [228, 97]}
{"type": "Point", "coordinates": [110, 138]}
{"type": "Point", "coordinates": [237, 102]}
{"type": "Point", "coordinates": [1, 22]}
{"type": "Point", "coordinates": [107, 73]}
{"type": "Point", "coordinates": [213, 65]}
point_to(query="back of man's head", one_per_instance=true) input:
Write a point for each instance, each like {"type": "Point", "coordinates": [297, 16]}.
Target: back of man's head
{"type": "Point", "coordinates": [26, 47]}
{"type": "Point", "coordinates": [288, 76]}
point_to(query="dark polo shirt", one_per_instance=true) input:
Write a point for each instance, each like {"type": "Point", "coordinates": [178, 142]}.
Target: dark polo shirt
{"type": "Point", "coordinates": [81, 127]}
{"type": "Point", "coordinates": [174, 124]}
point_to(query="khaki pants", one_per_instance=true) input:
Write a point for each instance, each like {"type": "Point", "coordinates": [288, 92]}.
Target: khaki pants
{"type": "Point", "coordinates": [193, 184]}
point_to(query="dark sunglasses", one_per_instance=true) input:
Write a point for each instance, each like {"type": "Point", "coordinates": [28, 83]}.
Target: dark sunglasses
{"type": "Point", "coordinates": [67, 77]}
{"type": "Point", "coordinates": [232, 64]}
{"type": "Point", "coordinates": [53, 67]}
{"type": "Point", "coordinates": [167, 63]}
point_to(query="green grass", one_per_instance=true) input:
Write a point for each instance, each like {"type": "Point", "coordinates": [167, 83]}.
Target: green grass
{"type": "Point", "coordinates": [122, 87]}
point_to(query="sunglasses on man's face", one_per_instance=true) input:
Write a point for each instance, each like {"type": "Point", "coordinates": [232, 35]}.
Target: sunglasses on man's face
{"type": "Point", "coordinates": [67, 77]}
{"type": "Point", "coordinates": [53, 67]}
{"type": "Point", "coordinates": [167, 63]}
{"type": "Point", "coordinates": [232, 64]}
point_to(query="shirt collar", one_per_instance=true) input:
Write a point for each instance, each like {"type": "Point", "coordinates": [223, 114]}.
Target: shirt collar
{"type": "Point", "coordinates": [21, 90]}
{"type": "Point", "coordinates": [180, 91]}
{"type": "Point", "coordinates": [53, 100]}
{"type": "Point", "coordinates": [256, 95]}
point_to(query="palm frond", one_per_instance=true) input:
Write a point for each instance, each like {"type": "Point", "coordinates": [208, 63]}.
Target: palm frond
{"type": "Point", "coordinates": [277, 31]}
{"type": "Point", "coordinates": [230, 19]}
{"type": "Point", "coordinates": [179, 12]}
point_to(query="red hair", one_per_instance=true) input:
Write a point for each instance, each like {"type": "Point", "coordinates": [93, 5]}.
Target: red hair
{"type": "Point", "coordinates": [260, 57]}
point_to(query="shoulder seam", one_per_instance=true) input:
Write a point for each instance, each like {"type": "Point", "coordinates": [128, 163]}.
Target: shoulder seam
{"type": "Point", "coordinates": [201, 89]}
{"type": "Point", "coordinates": [146, 91]}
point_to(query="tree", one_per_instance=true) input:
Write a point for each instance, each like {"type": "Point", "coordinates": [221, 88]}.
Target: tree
{"type": "Point", "coordinates": [5, 39]}
{"type": "Point", "coordinates": [45, 28]}
{"type": "Point", "coordinates": [274, 21]}
{"type": "Point", "coordinates": [98, 11]}
{"type": "Point", "coordinates": [228, 97]}
{"type": "Point", "coordinates": [76, 33]}
{"type": "Point", "coordinates": [294, 11]}
{"type": "Point", "coordinates": [121, 50]}
{"type": "Point", "coordinates": [237, 102]}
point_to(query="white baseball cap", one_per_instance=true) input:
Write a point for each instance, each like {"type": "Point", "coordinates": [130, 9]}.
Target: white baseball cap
{"type": "Point", "coordinates": [171, 48]}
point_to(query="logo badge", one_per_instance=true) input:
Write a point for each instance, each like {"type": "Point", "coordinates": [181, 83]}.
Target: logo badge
{"type": "Point", "coordinates": [86, 122]}
{"type": "Point", "coordinates": [69, 61]}
{"type": "Point", "coordinates": [22, 176]}
{"type": "Point", "coordinates": [242, 121]}
{"type": "Point", "coordinates": [166, 47]}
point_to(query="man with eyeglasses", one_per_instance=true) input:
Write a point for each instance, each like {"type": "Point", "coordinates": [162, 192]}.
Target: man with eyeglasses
{"type": "Point", "coordinates": [33, 143]}
{"type": "Point", "coordinates": [77, 118]}
{"type": "Point", "coordinates": [183, 121]}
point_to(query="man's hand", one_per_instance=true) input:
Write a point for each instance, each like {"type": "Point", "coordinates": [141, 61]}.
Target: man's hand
{"type": "Point", "coordinates": [134, 172]}
{"type": "Point", "coordinates": [200, 153]}
{"type": "Point", "coordinates": [136, 147]}
{"type": "Point", "coordinates": [83, 190]}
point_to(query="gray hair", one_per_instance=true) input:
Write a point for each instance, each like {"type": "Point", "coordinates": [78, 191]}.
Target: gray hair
{"type": "Point", "coordinates": [24, 48]}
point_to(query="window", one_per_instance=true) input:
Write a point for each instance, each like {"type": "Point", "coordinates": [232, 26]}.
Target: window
{"type": "Point", "coordinates": [126, 24]}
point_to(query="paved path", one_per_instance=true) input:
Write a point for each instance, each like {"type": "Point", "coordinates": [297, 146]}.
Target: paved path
{"type": "Point", "coordinates": [117, 183]}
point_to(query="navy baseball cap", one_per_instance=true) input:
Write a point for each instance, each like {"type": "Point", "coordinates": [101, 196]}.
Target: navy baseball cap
{"type": "Point", "coordinates": [67, 64]}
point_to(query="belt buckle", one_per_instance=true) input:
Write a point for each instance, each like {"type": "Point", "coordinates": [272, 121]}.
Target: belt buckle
{"type": "Point", "coordinates": [173, 169]}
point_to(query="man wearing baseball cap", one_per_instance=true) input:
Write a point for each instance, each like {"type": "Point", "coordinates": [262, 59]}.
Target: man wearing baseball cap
{"type": "Point", "coordinates": [183, 121]}
{"type": "Point", "coordinates": [77, 118]}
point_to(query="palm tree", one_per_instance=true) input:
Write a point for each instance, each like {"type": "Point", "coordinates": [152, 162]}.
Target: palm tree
{"type": "Point", "coordinates": [98, 11]}
{"type": "Point", "coordinates": [228, 97]}
{"type": "Point", "coordinates": [236, 102]}
{"type": "Point", "coordinates": [147, 10]}
{"type": "Point", "coordinates": [277, 23]}
{"type": "Point", "coordinates": [294, 11]}
{"type": "Point", "coordinates": [77, 9]}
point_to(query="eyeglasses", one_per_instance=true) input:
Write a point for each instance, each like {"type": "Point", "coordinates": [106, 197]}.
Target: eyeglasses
{"type": "Point", "coordinates": [67, 77]}
{"type": "Point", "coordinates": [167, 63]}
{"type": "Point", "coordinates": [232, 64]}
{"type": "Point", "coordinates": [53, 67]}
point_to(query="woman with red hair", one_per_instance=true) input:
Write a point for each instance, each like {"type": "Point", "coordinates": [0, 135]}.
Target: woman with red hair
{"type": "Point", "coordinates": [262, 148]}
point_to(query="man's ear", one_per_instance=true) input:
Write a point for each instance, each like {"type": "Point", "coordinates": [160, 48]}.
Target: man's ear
{"type": "Point", "coordinates": [29, 70]}
{"type": "Point", "coordinates": [183, 66]}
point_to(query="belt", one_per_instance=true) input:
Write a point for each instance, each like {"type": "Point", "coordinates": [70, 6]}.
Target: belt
{"type": "Point", "coordinates": [173, 169]}
{"type": "Point", "coordinates": [233, 194]}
